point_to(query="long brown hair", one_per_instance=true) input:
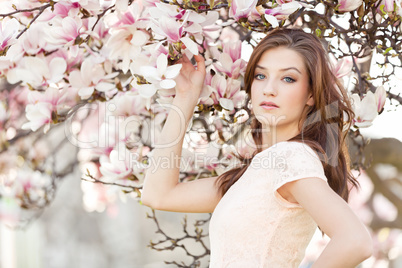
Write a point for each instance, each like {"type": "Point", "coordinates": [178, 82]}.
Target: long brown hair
{"type": "Point", "coordinates": [324, 125]}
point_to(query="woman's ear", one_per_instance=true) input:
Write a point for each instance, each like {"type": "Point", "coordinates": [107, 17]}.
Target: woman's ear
{"type": "Point", "coordinates": [310, 101]}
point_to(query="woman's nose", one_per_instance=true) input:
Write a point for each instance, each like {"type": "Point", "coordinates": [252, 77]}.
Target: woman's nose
{"type": "Point", "coordinates": [270, 88]}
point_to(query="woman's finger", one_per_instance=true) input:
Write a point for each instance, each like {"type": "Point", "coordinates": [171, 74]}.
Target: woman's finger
{"type": "Point", "coordinates": [200, 62]}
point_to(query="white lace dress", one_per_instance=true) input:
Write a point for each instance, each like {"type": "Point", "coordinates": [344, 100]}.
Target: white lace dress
{"type": "Point", "coordinates": [252, 225]}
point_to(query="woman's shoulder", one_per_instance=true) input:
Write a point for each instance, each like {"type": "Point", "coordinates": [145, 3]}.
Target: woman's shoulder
{"type": "Point", "coordinates": [295, 148]}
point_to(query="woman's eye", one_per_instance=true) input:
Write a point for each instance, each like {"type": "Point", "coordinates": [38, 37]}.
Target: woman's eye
{"type": "Point", "coordinates": [259, 76]}
{"type": "Point", "coordinates": [290, 80]}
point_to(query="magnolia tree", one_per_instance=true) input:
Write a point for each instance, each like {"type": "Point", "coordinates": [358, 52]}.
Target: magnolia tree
{"type": "Point", "coordinates": [100, 75]}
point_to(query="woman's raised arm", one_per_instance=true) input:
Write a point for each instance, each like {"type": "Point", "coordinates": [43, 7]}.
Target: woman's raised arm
{"type": "Point", "coordinates": [162, 189]}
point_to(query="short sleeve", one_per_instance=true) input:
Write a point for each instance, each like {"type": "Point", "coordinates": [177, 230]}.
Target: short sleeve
{"type": "Point", "coordinates": [295, 160]}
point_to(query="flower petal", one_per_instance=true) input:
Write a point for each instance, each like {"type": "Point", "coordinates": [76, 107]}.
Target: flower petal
{"type": "Point", "coordinates": [167, 83]}
{"type": "Point", "coordinates": [173, 71]}
{"type": "Point", "coordinates": [161, 63]}
{"type": "Point", "coordinates": [147, 91]}
{"type": "Point", "coordinates": [226, 104]}
{"type": "Point", "coordinates": [190, 44]}
{"type": "Point", "coordinates": [272, 20]}
{"type": "Point", "coordinates": [103, 87]}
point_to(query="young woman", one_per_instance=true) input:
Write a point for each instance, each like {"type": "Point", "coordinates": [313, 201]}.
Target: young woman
{"type": "Point", "coordinates": [264, 215]}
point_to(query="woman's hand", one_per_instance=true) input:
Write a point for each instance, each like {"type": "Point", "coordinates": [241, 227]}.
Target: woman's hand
{"type": "Point", "coordinates": [190, 81]}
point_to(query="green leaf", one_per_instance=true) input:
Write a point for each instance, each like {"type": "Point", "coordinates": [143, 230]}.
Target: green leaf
{"type": "Point", "coordinates": [382, 9]}
{"type": "Point", "coordinates": [387, 50]}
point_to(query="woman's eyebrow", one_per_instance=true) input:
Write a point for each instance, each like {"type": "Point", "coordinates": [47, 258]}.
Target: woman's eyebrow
{"type": "Point", "coordinates": [284, 69]}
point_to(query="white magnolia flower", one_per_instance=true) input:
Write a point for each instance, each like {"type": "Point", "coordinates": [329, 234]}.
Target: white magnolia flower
{"type": "Point", "coordinates": [125, 44]}
{"type": "Point", "coordinates": [161, 77]}
{"type": "Point", "coordinates": [365, 109]}
{"type": "Point", "coordinates": [38, 72]}
{"type": "Point", "coordinates": [38, 114]}
{"type": "Point", "coordinates": [91, 76]}
{"type": "Point", "coordinates": [42, 106]}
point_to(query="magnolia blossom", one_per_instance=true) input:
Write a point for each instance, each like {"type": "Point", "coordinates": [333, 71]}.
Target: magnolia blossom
{"type": "Point", "coordinates": [349, 5]}
{"type": "Point", "coordinates": [32, 41]}
{"type": "Point", "coordinates": [125, 43]}
{"type": "Point", "coordinates": [341, 67]}
{"type": "Point", "coordinates": [171, 11]}
{"type": "Point", "coordinates": [282, 12]}
{"type": "Point", "coordinates": [226, 92]}
{"type": "Point", "coordinates": [388, 5]}
{"type": "Point", "coordinates": [174, 31]}
{"type": "Point", "coordinates": [230, 61]}
{"type": "Point", "coordinates": [91, 76]}
{"type": "Point", "coordinates": [64, 31]}
{"type": "Point", "coordinates": [365, 109]}
{"type": "Point", "coordinates": [127, 15]}
{"type": "Point", "coordinates": [38, 114]}
{"type": "Point", "coordinates": [160, 77]}
{"type": "Point", "coordinates": [8, 32]}
{"type": "Point", "coordinates": [41, 108]}
{"type": "Point", "coordinates": [37, 71]}
{"type": "Point", "coordinates": [380, 97]}
{"type": "Point", "coordinates": [62, 9]}
{"type": "Point", "coordinates": [241, 8]}
{"type": "Point", "coordinates": [118, 165]}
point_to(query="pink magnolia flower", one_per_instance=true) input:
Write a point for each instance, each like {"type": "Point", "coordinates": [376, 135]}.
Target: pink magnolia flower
{"type": "Point", "coordinates": [91, 76]}
{"type": "Point", "coordinates": [365, 109]}
{"type": "Point", "coordinates": [281, 2]}
{"type": "Point", "coordinates": [99, 32]}
{"type": "Point", "coordinates": [32, 41]}
{"type": "Point", "coordinates": [118, 165]}
{"type": "Point", "coordinates": [69, 57]}
{"type": "Point", "coordinates": [128, 104]}
{"type": "Point", "coordinates": [8, 32]}
{"type": "Point", "coordinates": [230, 64]}
{"type": "Point", "coordinates": [241, 8]}
{"type": "Point", "coordinates": [380, 97]}
{"type": "Point", "coordinates": [129, 15]}
{"type": "Point", "coordinates": [348, 5]}
{"type": "Point", "coordinates": [32, 184]}
{"type": "Point", "coordinates": [171, 11]}
{"type": "Point", "coordinates": [341, 67]}
{"type": "Point", "coordinates": [62, 9]}
{"type": "Point", "coordinates": [283, 11]}
{"type": "Point", "coordinates": [64, 31]}
{"type": "Point", "coordinates": [226, 92]}
{"type": "Point", "coordinates": [174, 31]}
{"type": "Point", "coordinates": [388, 6]}
{"type": "Point", "coordinates": [233, 49]}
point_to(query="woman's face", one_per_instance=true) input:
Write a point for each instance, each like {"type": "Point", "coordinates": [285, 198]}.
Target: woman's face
{"type": "Point", "coordinates": [280, 77]}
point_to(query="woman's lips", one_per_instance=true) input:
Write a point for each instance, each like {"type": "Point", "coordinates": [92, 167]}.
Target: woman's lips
{"type": "Point", "coordinates": [268, 107]}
